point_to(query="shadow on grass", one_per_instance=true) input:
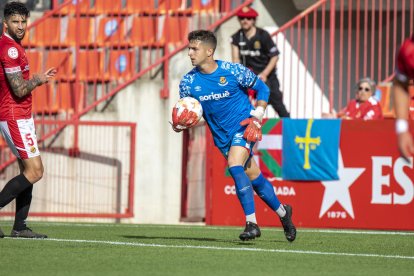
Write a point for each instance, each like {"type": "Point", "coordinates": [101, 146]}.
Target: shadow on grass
{"type": "Point", "coordinates": [246, 243]}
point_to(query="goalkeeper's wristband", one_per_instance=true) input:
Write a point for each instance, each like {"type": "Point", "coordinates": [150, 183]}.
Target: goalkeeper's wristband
{"type": "Point", "coordinates": [401, 126]}
{"type": "Point", "coordinates": [258, 113]}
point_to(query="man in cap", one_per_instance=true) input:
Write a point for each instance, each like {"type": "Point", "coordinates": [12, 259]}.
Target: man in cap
{"type": "Point", "coordinates": [255, 49]}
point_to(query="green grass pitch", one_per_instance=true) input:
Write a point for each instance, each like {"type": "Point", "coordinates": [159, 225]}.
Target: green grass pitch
{"type": "Point", "coordinates": [124, 249]}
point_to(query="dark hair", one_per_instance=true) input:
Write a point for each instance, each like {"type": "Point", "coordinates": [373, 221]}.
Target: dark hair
{"type": "Point", "coordinates": [204, 36]}
{"type": "Point", "coordinates": [14, 8]}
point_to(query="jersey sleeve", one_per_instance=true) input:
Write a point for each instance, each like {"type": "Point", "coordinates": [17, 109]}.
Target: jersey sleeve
{"type": "Point", "coordinates": [269, 46]}
{"type": "Point", "coordinates": [10, 59]}
{"type": "Point", "coordinates": [245, 77]}
{"type": "Point", "coordinates": [184, 86]}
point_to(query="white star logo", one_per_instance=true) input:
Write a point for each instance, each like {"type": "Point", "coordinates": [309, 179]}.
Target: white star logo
{"type": "Point", "coordinates": [338, 190]}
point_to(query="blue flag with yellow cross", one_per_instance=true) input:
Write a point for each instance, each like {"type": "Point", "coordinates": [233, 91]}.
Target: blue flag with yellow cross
{"type": "Point", "coordinates": [310, 149]}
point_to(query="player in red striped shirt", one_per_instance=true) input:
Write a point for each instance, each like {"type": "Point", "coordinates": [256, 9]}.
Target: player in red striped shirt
{"type": "Point", "coordinates": [16, 122]}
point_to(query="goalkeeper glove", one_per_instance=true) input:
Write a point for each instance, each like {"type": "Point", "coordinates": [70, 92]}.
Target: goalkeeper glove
{"type": "Point", "coordinates": [186, 120]}
{"type": "Point", "coordinates": [253, 132]}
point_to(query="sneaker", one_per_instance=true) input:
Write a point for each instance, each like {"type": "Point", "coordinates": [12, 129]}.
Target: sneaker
{"type": "Point", "coordinates": [27, 233]}
{"type": "Point", "coordinates": [251, 231]}
{"type": "Point", "coordinates": [288, 227]}
{"type": "Point", "coordinates": [1, 234]}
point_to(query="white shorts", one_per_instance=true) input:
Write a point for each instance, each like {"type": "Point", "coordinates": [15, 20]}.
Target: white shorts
{"type": "Point", "coordinates": [20, 135]}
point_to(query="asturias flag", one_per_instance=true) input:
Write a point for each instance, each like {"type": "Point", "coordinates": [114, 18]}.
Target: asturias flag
{"type": "Point", "coordinates": [310, 149]}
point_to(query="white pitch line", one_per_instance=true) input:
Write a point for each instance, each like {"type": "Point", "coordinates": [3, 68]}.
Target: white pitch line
{"type": "Point", "coordinates": [187, 226]}
{"type": "Point", "coordinates": [223, 248]}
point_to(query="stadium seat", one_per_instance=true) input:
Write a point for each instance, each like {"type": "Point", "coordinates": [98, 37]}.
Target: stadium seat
{"type": "Point", "coordinates": [111, 32]}
{"type": "Point", "coordinates": [47, 33]}
{"type": "Point", "coordinates": [140, 7]}
{"type": "Point", "coordinates": [121, 64]}
{"type": "Point", "coordinates": [109, 7]}
{"type": "Point", "coordinates": [85, 36]}
{"type": "Point", "coordinates": [175, 30]}
{"type": "Point", "coordinates": [170, 6]}
{"type": "Point", "coordinates": [63, 61]}
{"type": "Point", "coordinates": [35, 58]}
{"type": "Point", "coordinates": [142, 31]}
{"type": "Point", "coordinates": [385, 100]}
{"type": "Point", "coordinates": [65, 96]}
{"type": "Point", "coordinates": [205, 5]}
{"type": "Point", "coordinates": [91, 66]}
{"type": "Point", "coordinates": [42, 100]}
{"type": "Point", "coordinates": [85, 8]}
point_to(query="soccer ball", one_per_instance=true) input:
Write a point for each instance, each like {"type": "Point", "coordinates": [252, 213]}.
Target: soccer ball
{"type": "Point", "coordinates": [191, 104]}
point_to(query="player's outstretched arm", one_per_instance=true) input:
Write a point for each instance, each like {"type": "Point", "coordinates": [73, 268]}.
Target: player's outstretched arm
{"type": "Point", "coordinates": [401, 102]}
{"type": "Point", "coordinates": [22, 87]}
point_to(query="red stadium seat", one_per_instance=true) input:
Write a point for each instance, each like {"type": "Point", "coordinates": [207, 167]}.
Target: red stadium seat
{"type": "Point", "coordinates": [175, 30]}
{"type": "Point", "coordinates": [109, 7]}
{"type": "Point", "coordinates": [42, 99]}
{"type": "Point", "coordinates": [121, 64]}
{"type": "Point", "coordinates": [205, 5]}
{"type": "Point", "coordinates": [35, 59]}
{"type": "Point", "coordinates": [91, 66]}
{"type": "Point", "coordinates": [140, 7]}
{"type": "Point", "coordinates": [85, 36]}
{"type": "Point", "coordinates": [111, 32]}
{"type": "Point", "coordinates": [170, 5]}
{"type": "Point", "coordinates": [385, 102]}
{"type": "Point", "coordinates": [47, 33]}
{"type": "Point", "coordinates": [63, 61]}
{"type": "Point", "coordinates": [84, 8]}
{"type": "Point", "coordinates": [143, 31]}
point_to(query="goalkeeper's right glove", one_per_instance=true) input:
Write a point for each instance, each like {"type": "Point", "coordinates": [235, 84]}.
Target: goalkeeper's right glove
{"type": "Point", "coordinates": [186, 120]}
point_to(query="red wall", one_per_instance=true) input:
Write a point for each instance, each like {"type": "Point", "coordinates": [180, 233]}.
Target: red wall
{"type": "Point", "coordinates": [375, 190]}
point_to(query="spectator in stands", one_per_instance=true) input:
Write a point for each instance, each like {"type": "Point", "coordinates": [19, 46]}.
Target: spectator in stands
{"type": "Point", "coordinates": [364, 106]}
{"type": "Point", "coordinates": [16, 121]}
{"type": "Point", "coordinates": [255, 49]}
{"type": "Point", "coordinates": [234, 123]}
{"type": "Point", "coordinates": [404, 73]}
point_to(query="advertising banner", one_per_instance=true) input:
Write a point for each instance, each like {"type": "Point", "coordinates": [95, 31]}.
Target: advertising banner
{"type": "Point", "coordinates": [375, 189]}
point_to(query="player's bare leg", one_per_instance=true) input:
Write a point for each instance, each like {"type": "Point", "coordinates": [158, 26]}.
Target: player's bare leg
{"type": "Point", "coordinates": [32, 169]}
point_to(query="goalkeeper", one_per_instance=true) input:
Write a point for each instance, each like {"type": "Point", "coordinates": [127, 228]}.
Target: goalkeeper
{"type": "Point", "coordinates": [221, 88]}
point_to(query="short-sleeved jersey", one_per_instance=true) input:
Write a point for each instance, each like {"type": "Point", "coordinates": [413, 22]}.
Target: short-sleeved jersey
{"type": "Point", "coordinates": [13, 59]}
{"type": "Point", "coordinates": [369, 110]}
{"type": "Point", "coordinates": [256, 52]}
{"type": "Point", "coordinates": [223, 96]}
{"type": "Point", "coordinates": [405, 61]}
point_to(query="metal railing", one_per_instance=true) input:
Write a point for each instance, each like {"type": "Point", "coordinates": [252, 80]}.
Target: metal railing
{"type": "Point", "coordinates": [331, 45]}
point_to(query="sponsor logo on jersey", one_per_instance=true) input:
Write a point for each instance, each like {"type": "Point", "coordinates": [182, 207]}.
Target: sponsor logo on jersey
{"type": "Point", "coordinates": [223, 81]}
{"type": "Point", "coordinates": [250, 53]}
{"type": "Point", "coordinates": [257, 45]}
{"type": "Point", "coordinates": [197, 88]}
{"type": "Point", "coordinates": [13, 53]}
{"type": "Point", "coordinates": [214, 96]}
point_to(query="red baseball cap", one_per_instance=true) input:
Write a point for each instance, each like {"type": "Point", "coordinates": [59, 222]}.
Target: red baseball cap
{"type": "Point", "coordinates": [405, 58]}
{"type": "Point", "coordinates": [247, 12]}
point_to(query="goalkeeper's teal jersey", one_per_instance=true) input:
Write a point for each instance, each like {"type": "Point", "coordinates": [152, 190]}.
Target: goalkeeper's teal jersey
{"type": "Point", "coordinates": [223, 96]}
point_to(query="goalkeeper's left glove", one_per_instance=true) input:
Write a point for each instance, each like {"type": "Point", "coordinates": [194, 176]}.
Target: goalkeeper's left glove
{"type": "Point", "coordinates": [186, 120]}
{"type": "Point", "coordinates": [253, 132]}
